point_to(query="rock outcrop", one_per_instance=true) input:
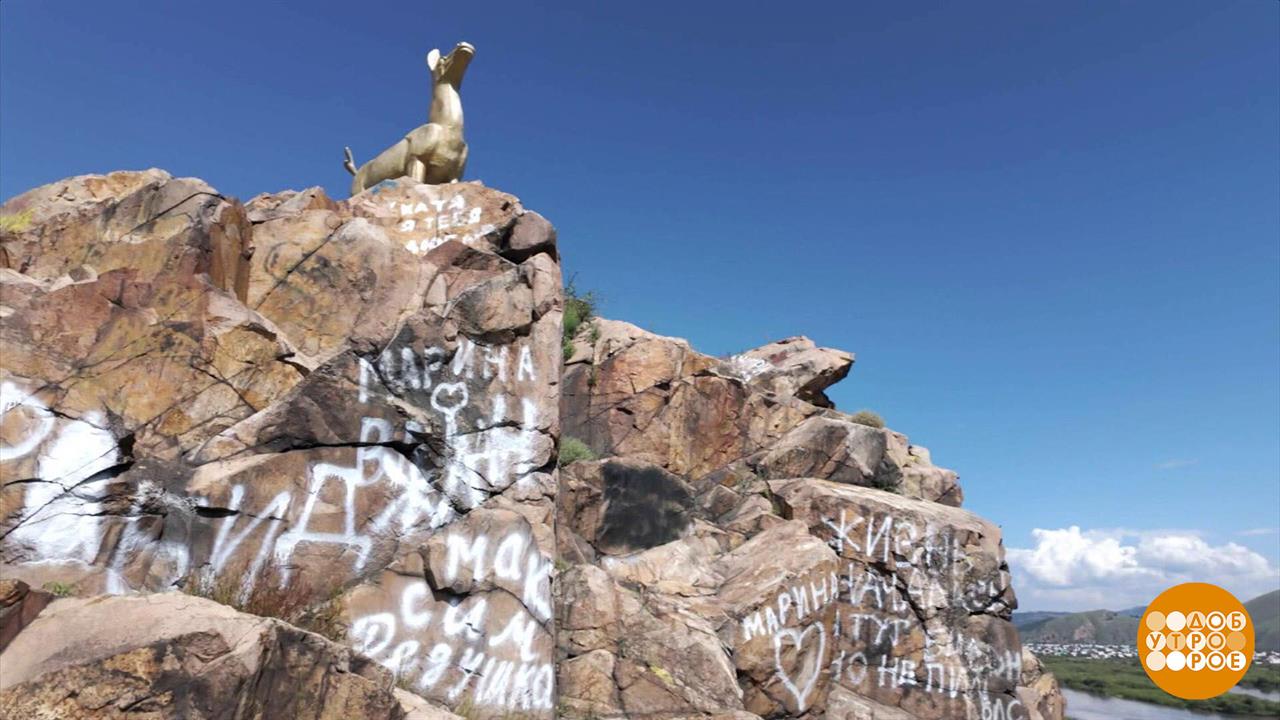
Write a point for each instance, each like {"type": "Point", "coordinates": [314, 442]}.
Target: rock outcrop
{"type": "Point", "coordinates": [355, 402]}
{"type": "Point", "coordinates": [628, 392]}
{"type": "Point", "coordinates": [346, 415]}
{"type": "Point", "coordinates": [745, 548]}
{"type": "Point", "coordinates": [175, 656]}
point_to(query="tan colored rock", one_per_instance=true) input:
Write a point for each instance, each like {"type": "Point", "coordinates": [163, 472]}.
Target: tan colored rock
{"type": "Point", "coordinates": [150, 223]}
{"type": "Point", "coordinates": [590, 607]}
{"type": "Point", "coordinates": [922, 611]}
{"type": "Point", "coordinates": [175, 656]}
{"type": "Point", "coordinates": [631, 399]}
{"type": "Point", "coordinates": [530, 235]}
{"type": "Point", "coordinates": [931, 483]}
{"type": "Point", "coordinates": [169, 362]}
{"type": "Point", "coordinates": [416, 708]}
{"type": "Point", "coordinates": [669, 665]}
{"type": "Point", "coordinates": [844, 704]}
{"type": "Point", "coordinates": [830, 448]}
{"type": "Point", "coordinates": [865, 604]}
{"type": "Point", "coordinates": [793, 367]}
{"type": "Point", "coordinates": [587, 687]}
{"type": "Point", "coordinates": [1039, 691]}
{"type": "Point", "coordinates": [19, 605]}
{"type": "Point", "coordinates": [300, 421]}
{"type": "Point", "coordinates": [650, 398]}
{"type": "Point", "coordinates": [272, 206]}
{"type": "Point", "coordinates": [765, 566]}
{"type": "Point", "coordinates": [347, 413]}
{"type": "Point", "coordinates": [767, 588]}
{"type": "Point", "coordinates": [828, 557]}
{"type": "Point", "coordinates": [681, 567]}
{"type": "Point", "coordinates": [667, 659]}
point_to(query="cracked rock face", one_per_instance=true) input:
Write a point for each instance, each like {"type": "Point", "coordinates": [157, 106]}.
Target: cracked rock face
{"type": "Point", "coordinates": [174, 656]}
{"type": "Point", "coordinates": [346, 414]}
{"type": "Point", "coordinates": [631, 393]}
{"type": "Point", "coordinates": [352, 403]}
{"type": "Point", "coordinates": [780, 559]}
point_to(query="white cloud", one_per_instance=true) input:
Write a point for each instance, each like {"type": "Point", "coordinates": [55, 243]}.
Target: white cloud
{"type": "Point", "coordinates": [1258, 532]}
{"type": "Point", "coordinates": [1074, 569]}
{"type": "Point", "coordinates": [1175, 464]}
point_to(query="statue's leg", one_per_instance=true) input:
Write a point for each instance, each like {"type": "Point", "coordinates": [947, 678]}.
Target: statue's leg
{"type": "Point", "coordinates": [358, 179]}
{"type": "Point", "coordinates": [462, 165]}
{"type": "Point", "coordinates": [387, 165]}
{"type": "Point", "coordinates": [417, 170]}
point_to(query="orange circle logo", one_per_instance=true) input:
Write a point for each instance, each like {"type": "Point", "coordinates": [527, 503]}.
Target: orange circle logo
{"type": "Point", "coordinates": [1195, 641]}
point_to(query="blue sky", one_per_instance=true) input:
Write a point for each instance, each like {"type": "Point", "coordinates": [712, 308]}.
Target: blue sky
{"type": "Point", "coordinates": [1050, 231]}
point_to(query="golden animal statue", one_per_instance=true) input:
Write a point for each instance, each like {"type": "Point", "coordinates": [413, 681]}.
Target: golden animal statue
{"type": "Point", "coordinates": [432, 153]}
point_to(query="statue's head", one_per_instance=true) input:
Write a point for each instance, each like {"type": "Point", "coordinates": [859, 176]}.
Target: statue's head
{"type": "Point", "coordinates": [450, 68]}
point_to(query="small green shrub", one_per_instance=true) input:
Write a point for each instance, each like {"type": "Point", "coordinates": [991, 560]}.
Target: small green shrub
{"type": "Point", "coordinates": [566, 348]}
{"type": "Point", "coordinates": [775, 503]}
{"type": "Point", "coordinates": [572, 450]}
{"type": "Point", "coordinates": [579, 307]}
{"type": "Point", "coordinates": [59, 589]}
{"type": "Point", "coordinates": [888, 483]}
{"type": "Point", "coordinates": [467, 709]}
{"type": "Point", "coordinates": [868, 418]}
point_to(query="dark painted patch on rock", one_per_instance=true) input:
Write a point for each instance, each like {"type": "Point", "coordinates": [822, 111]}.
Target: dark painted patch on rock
{"type": "Point", "coordinates": [644, 507]}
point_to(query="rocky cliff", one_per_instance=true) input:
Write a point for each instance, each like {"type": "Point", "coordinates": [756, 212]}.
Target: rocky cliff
{"type": "Point", "coordinates": [345, 415]}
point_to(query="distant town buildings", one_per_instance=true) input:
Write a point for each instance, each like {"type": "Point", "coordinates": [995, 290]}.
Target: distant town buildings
{"type": "Point", "coordinates": [1116, 652]}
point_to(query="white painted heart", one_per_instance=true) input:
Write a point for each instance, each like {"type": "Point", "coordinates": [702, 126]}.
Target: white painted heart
{"type": "Point", "coordinates": [448, 398]}
{"type": "Point", "coordinates": [804, 686]}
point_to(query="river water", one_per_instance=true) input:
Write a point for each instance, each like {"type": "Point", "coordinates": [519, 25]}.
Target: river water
{"type": "Point", "coordinates": [1273, 696]}
{"type": "Point", "coordinates": [1083, 706]}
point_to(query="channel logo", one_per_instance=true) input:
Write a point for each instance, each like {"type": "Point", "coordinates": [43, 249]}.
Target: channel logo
{"type": "Point", "coordinates": [1195, 641]}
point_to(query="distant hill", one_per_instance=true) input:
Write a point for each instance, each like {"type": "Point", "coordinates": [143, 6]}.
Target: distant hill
{"type": "Point", "coordinates": [1031, 617]}
{"type": "Point", "coordinates": [1103, 627]}
{"type": "Point", "coordinates": [1109, 627]}
{"type": "Point", "coordinates": [1026, 619]}
{"type": "Point", "coordinates": [1264, 610]}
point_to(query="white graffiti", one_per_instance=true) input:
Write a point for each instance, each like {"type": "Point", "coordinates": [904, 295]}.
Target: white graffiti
{"type": "Point", "coordinates": [12, 398]}
{"type": "Point", "coordinates": [895, 571]}
{"type": "Point", "coordinates": [491, 458]}
{"type": "Point", "coordinates": [497, 452]}
{"type": "Point", "coordinates": [351, 479]}
{"type": "Point", "coordinates": [515, 559]}
{"type": "Point", "coordinates": [748, 368]}
{"type": "Point", "coordinates": [414, 504]}
{"type": "Point", "coordinates": [507, 669]}
{"type": "Point", "coordinates": [444, 220]}
{"type": "Point", "coordinates": [417, 504]}
{"type": "Point", "coordinates": [478, 461]}
{"type": "Point", "coordinates": [810, 662]}
{"type": "Point", "coordinates": [1001, 708]}
{"type": "Point", "coordinates": [938, 569]}
{"type": "Point", "coordinates": [61, 504]}
{"type": "Point", "coordinates": [800, 599]}
{"type": "Point", "coordinates": [966, 670]}
{"type": "Point", "coordinates": [228, 538]}
{"type": "Point", "coordinates": [169, 559]}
